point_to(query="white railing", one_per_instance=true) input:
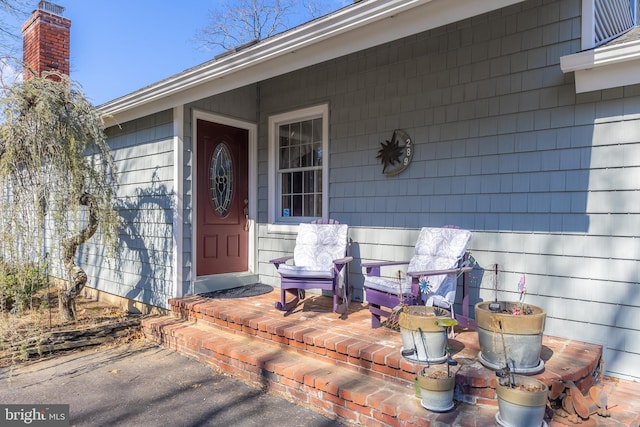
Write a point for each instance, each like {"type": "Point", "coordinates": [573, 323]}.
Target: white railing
{"type": "Point", "coordinates": [612, 18]}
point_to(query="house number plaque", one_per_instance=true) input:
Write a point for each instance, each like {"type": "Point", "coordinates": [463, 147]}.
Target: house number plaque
{"type": "Point", "coordinates": [396, 154]}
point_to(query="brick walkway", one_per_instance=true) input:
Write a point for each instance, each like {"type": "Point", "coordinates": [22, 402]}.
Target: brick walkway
{"type": "Point", "coordinates": [343, 368]}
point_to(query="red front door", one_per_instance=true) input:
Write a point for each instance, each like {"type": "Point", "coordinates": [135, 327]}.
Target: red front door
{"type": "Point", "coordinates": [223, 198]}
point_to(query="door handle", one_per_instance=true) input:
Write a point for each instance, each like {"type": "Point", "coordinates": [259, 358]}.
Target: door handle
{"type": "Point", "coordinates": [245, 210]}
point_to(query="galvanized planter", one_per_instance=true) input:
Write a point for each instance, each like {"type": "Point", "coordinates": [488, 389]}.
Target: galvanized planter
{"type": "Point", "coordinates": [423, 340]}
{"type": "Point", "coordinates": [520, 335]}
{"type": "Point", "coordinates": [523, 405]}
{"type": "Point", "coordinates": [436, 393]}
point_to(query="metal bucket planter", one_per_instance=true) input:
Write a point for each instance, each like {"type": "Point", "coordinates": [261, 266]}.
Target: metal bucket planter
{"type": "Point", "coordinates": [520, 335]}
{"type": "Point", "coordinates": [523, 405]}
{"type": "Point", "coordinates": [423, 340]}
{"type": "Point", "coordinates": [436, 391]}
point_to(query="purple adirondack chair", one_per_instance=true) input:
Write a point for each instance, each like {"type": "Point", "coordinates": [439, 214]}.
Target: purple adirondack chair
{"type": "Point", "coordinates": [439, 258]}
{"type": "Point", "coordinates": [319, 260]}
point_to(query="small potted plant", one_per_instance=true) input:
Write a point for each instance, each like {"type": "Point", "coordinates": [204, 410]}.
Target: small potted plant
{"type": "Point", "coordinates": [518, 326]}
{"type": "Point", "coordinates": [521, 401]}
{"type": "Point", "coordinates": [424, 330]}
{"type": "Point", "coordinates": [424, 338]}
{"type": "Point", "coordinates": [437, 387]}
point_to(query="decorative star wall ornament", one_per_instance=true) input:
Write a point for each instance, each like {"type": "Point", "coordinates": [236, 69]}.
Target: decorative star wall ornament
{"type": "Point", "coordinates": [396, 154]}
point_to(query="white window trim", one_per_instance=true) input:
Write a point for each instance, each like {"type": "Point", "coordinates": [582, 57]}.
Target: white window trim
{"type": "Point", "coordinates": [275, 221]}
{"type": "Point", "coordinates": [178, 214]}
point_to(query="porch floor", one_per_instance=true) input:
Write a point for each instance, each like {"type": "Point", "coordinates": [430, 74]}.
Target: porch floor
{"type": "Point", "coordinates": [344, 369]}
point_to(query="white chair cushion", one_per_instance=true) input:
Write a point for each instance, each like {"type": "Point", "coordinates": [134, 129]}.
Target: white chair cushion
{"type": "Point", "coordinates": [317, 245]}
{"type": "Point", "coordinates": [301, 271]}
{"type": "Point", "coordinates": [388, 286]}
{"type": "Point", "coordinates": [439, 247]}
{"type": "Point", "coordinates": [436, 249]}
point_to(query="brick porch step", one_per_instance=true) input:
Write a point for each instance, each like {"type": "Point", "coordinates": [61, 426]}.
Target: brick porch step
{"type": "Point", "coordinates": [329, 389]}
{"type": "Point", "coordinates": [342, 367]}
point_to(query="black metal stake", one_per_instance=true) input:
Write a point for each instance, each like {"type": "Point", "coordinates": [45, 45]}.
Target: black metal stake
{"type": "Point", "coordinates": [495, 306]}
{"type": "Point", "coordinates": [512, 378]}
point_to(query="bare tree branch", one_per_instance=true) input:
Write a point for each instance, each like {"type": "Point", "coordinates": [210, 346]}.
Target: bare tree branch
{"type": "Point", "coordinates": [12, 14]}
{"type": "Point", "coordinates": [235, 22]}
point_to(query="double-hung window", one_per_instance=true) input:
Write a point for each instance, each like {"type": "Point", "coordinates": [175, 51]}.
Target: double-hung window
{"type": "Point", "coordinates": [298, 147]}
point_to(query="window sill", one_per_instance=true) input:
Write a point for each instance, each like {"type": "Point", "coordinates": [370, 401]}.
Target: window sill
{"type": "Point", "coordinates": [282, 228]}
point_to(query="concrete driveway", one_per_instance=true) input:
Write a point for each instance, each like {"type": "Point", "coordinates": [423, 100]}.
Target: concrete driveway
{"type": "Point", "coordinates": [141, 384]}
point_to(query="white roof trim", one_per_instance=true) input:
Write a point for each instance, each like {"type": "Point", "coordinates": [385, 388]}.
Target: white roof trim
{"type": "Point", "coordinates": [351, 29]}
{"type": "Point", "coordinates": [604, 67]}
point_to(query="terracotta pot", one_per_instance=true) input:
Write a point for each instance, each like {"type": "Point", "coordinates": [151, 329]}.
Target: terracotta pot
{"type": "Point", "coordinates": [422, 339]}
{"type": "Point", "coordinates": [521, 335]}
{"type": "Point", "coordinates": [524, 405]}
{"type": "Point", "coordinates": [436, 393]}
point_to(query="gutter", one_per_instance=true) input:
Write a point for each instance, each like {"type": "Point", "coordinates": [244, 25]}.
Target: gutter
{"type": "Point", "coordinates": [601, 56]}
{"type": "Point", "coordinates": [604, 67]}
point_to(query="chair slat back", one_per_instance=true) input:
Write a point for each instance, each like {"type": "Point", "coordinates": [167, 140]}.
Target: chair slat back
{"type": "Point", "coordinates": [325, 221]}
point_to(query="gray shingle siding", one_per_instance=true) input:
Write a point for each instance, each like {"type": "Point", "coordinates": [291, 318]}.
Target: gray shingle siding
{"type": "Point", "coordinates": [546, 179]}
{"type": "Point", "coordinates": [143, 152]}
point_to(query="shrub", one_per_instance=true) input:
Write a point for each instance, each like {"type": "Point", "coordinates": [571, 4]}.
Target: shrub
{"type": "Point", "coordinates": [18, 284]}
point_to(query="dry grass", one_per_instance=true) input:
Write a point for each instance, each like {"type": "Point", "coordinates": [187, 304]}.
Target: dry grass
{"type": "Point", "coordinates": [18, 331]}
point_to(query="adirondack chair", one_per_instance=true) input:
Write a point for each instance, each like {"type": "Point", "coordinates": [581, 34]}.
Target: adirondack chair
{"type": "Point", "coordinates": [319, 262]}
{"type": "Point", "coordinates": [440, 256]}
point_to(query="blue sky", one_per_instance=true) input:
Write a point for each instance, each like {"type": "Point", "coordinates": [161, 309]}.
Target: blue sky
{"type": "Point", "coordinates": [119, 46]}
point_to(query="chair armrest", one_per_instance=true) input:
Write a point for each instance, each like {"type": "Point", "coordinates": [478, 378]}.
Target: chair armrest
{"type": "Point", "coordinates": [338, 264]}
{"type": "Point", "coordinates": [439, 272]}
{"type": "Point", "coordinates": [282, 260]}
{"type": "Point", "coordinates": [373, 268]}
{"type": "Point", "coordinates": [342, 261]}
{"type": "Point", "coordinates": [383, 263]}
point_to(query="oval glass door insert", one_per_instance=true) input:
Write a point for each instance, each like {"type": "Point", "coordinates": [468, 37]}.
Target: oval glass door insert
{"type": "Point", "coordinates": [221, 179]}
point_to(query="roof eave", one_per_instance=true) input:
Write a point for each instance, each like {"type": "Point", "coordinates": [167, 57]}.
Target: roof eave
{"type": "Point", "coordinates": [360, 26]}
{"type": "Point", "coordinates": [604, 67]}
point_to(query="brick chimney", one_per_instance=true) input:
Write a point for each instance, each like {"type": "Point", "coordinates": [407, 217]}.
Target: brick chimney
{"type": "Point", "coordinates": [46, 40]}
